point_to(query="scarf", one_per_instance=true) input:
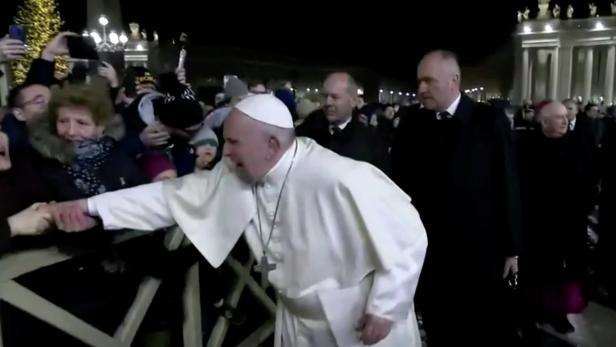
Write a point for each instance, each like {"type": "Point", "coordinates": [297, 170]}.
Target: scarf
{"type": "Point", "coordinates": [89, 157]}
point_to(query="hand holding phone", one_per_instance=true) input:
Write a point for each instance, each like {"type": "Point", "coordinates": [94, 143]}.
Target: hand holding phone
{"type": "Point", "coordinates": [11, 49]}
{"type": "Point", "coordinates": [107, 71]}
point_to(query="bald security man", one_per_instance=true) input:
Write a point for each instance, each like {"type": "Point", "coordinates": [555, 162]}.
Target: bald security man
{"type": "Point", "coordinates": [454, 157]}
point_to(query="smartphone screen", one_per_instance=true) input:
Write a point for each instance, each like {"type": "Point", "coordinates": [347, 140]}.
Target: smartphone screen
{"type": "Point", "coordinates": [81, 47]}
{"type": "Point", "coordinates": [17, 32]}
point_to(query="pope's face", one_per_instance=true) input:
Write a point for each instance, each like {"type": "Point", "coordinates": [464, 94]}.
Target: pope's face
{"type": "Point", "coordinates": [247, 148]}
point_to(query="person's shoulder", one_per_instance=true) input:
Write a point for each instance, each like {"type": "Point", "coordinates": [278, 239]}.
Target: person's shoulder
{"type": "Point", "coordinates": [320, 164]}
{"type": "Point", "coordinates": [315, 120]}
{"type": "Point", "coordinates": [412, 115]}
{"type": "Point", "coordinates": [487, 115]}
{"type": "Point", "coordinates": [486, 110]}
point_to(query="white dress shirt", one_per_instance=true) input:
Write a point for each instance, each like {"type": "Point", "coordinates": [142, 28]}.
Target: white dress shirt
{"type": "Point", "coordinates": [451, 109]}
{"type": "Point", "coordinates": [340, 126]}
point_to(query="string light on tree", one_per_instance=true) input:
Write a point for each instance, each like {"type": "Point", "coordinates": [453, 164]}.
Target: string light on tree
{"type": "Point", "coordinates": [42, 21]}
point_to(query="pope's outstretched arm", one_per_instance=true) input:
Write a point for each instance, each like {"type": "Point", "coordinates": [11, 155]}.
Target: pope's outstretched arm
{"type": "Point", "coordinates": [140, 208]}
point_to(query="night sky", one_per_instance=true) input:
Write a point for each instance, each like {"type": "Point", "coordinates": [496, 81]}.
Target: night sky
{"type": "Point", "coordinates": [327, 33]}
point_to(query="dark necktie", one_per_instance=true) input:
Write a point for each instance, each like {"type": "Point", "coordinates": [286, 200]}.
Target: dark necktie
{"type": "Point", "coordinates": [335, 130]}
{"type": "Point", "coordinates": [443, 115]}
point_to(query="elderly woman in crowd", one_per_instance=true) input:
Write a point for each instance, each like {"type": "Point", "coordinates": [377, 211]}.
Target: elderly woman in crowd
{"type": "Point", "coordinates": [78, 143]}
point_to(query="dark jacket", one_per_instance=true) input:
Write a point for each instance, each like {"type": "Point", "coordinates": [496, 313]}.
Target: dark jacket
{"type": "Point", "coordinates": [583, 130]}
{"type": "Point", "coordinates": [181, 151]}
{"type": "Point", "coordinates": [355, 141]}
{"type": "Point", "coordinates": [17, 131]}
{"type": "Point", "coordinates": [41, 72]}
{"type": "Point", "coordinates": [558, 185]}
{"type": "Point", "coordinates": [20, 187]}
{"type": "Point", "coordinates": [607, 209]}
{"type": "Point", "coordinates": [462, 179]}
{"type": "Point", "coordinates": [119, 171]}
{"type": "Point", "coordinates": [461, 176]}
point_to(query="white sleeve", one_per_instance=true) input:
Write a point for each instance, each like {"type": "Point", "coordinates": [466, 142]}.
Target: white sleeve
{"type": "Point", "coordinates": [140, 208]}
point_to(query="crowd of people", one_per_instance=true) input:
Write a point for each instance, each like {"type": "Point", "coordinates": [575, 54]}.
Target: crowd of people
{"type": "Point", "coordinates": [499, 193]}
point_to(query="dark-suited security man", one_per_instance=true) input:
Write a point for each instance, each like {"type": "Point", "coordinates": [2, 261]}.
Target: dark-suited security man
{"type": "Point", "coordinates": [337, 128]}
{"type": "Point", "coordinates": [454, 157]}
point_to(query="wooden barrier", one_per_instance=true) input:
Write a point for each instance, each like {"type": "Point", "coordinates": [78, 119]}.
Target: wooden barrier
{"type": "Point", "coordinates": [14, 265]}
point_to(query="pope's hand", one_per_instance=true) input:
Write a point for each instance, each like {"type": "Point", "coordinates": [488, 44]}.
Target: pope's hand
{"type": "Point", "coordinates": [373, 329]}
{"type": "Point", "coordinates": [72, 216]}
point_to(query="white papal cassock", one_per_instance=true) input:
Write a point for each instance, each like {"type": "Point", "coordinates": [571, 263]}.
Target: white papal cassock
{"type": "Point", "coordinates": [347, 240]}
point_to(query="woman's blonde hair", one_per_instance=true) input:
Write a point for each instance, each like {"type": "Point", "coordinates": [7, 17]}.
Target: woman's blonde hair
{"type": "Point", "coordinates": [93, 97]}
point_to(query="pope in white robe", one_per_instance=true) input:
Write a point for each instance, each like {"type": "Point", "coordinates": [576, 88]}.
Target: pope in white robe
{"type": "Point", "coordinates": [347, 244]}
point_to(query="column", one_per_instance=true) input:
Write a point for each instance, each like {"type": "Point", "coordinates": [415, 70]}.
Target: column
{"type": "Point", "coordinates": [525, 74]}
{"type": "Point", "coordinates": [565, 66]}
{"type": "Point", "coordinates": [540, 75]}
{"type": "Point", "coordinates": [553, 91]}
{"type": "Point", "coordinates": [608, 90]}
{"type": "Point", "coordinates": [588, 61]}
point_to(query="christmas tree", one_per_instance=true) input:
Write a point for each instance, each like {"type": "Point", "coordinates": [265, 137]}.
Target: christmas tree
{"type": "Point", "coordinates": [42, 22]}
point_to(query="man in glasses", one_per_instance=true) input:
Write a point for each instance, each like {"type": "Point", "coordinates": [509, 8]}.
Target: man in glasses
{"type": "Point", "coordinates": [28, 101]}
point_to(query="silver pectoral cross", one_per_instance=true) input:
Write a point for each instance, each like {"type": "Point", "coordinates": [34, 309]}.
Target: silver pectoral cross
{"type": "Point", "coordinates": [264, 267]}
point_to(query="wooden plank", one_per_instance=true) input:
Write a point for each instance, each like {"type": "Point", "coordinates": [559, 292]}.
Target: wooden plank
{"type": "Point", "coordinates": [193, 336]}
{"type": "Point", "coordinates": [127, 330]}
{"type": "Point", "coordinates": [28, 301]}
{"type": "Point", "coordinates": [260, 335]}
{"type": "Point", "coordinates": [217, 337]}
{"type": "Point", "coordinates": [253, 285]}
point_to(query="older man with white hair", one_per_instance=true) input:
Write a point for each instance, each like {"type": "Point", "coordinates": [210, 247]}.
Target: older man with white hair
{"type": "Point", "coordinates": [341, 244]}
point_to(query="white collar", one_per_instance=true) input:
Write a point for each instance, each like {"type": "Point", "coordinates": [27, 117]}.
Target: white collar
{"type": "Point", "coordinates": [452, 108]}
{"type": "Point", "coordinates": [277, 173]}
{"type": "Point", "coordinates": [340, 126]}
{"type": "Point", "coordinates": [454, 105]}
{"type": "Point", "coordinates": [344, 124]}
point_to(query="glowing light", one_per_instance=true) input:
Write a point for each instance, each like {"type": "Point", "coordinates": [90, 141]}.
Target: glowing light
{"type": "Point", "coordinates": [123, 38]}
{"type": "Point", "coordinates": [96, 37]}
{"type": "Point", "coordinates": [114, 38]}
{"type": "Point", "coordinates": [102, 20]}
